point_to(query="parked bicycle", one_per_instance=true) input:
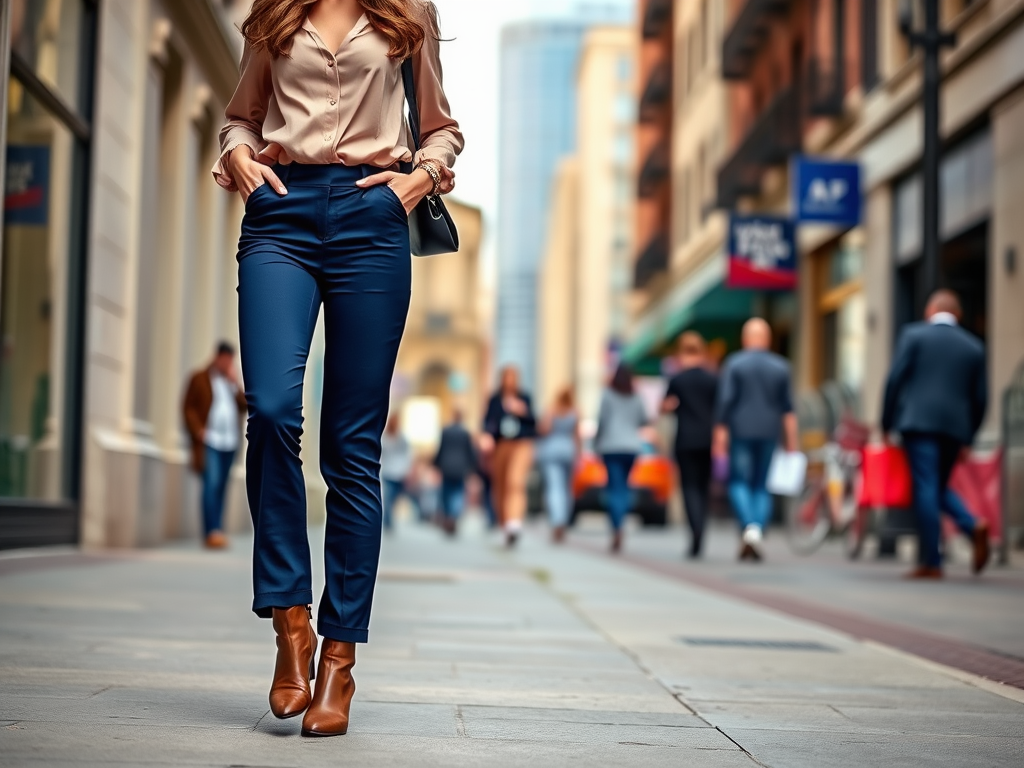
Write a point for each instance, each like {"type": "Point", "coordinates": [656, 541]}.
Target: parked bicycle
{"type": "Point", "coordinates": [829, 506]}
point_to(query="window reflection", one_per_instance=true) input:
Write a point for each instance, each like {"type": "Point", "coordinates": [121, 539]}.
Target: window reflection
{"type": "Point", "coordinates": [32, 304]}
{"type": "Point", "coordinates": [45, 34]}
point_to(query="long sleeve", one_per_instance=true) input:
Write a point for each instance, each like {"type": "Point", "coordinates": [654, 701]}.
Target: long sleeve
{"type": "Point", "coordinates": [901, 362]}
{"type": "Point", "coordinates": [440, 136]}
{"type": "Point", "coordinates": [786, 396]}
{"type": "Point", "coordinates": [245, 112]}
{"type": "Point", "coordinates": [190, 411]}
{"type": "Point", "coordinates": [726, 396]}
{"type": "Point", "coordinates": [492, 419]}
{"type": "Point", "coordinates": [980, 395]}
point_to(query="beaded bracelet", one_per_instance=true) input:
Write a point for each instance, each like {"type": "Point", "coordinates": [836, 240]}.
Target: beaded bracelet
{"type": "Point", "coordinates": [434, 173]}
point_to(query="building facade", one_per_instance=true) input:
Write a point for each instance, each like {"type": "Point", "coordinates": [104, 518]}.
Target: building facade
{"type": "Point", "coordinates": [653, 146]}
{"type": "Point", "coordinates": [444, 351]}
{"type": "Point", "coordinates": [537, 119]}
{"type": "Point", "coordinates": [118, 261]}
{"type": "Point", "coordinates": [586, 273]}
{"type": "Point", "coordinates": [837, 79]}
{"type": "Point", "coordinates": [686, 292]}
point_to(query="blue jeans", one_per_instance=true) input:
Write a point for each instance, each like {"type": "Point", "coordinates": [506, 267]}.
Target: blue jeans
{"type": "Point", "coordinates": [453, 497]}
{"type": "Point", "coordinates": [618, 465]}
{"type": "Point", "coordinates": [558, 491]}
{"type": "Point", "coordinates": [329, 244]}
{"type": "Point", "coordinates": [392, 491]}
{"type": "Point", "coordinates": [931, 459]}
{"type": "Point", "coordinates": [749, 461]}
{"type": "Point", "coordinates": [216, 471]}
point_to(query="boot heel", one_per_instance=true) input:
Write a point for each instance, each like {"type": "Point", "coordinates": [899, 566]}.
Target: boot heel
{"type": "Point", "coordinates": [312, 668]}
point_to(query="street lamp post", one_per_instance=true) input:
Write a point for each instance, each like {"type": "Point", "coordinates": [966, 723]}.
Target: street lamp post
{"type": "Point", "coordinates": [931, 39]}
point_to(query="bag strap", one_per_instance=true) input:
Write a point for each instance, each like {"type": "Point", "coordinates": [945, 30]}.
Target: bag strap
{"type": "Point", "coordinates": [409, 82]}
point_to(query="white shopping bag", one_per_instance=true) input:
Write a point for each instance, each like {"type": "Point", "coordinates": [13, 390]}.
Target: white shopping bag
{"type": "Point", "coordinates": [787, 473]}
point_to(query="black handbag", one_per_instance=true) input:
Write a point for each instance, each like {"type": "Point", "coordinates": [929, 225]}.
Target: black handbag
{"type": "Point", "coordinates": [431, 229]}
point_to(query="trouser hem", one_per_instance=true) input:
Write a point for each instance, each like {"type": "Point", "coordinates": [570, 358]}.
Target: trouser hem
{"type": "Point", "coordinates": [342, 634]}
{"type": "Point", "coordinates": [263, 605]}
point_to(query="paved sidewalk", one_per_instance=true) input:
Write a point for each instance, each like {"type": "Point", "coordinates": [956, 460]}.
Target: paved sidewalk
{"type": "Point", "coordinates": [479, 657]}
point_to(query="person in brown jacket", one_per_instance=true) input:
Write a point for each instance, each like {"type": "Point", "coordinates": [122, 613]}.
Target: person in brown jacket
{"type": "Point", "coordinates": [214, 407]}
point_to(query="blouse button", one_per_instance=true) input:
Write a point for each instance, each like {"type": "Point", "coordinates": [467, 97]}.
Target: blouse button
{"type": "Point", "coordinates": [330, 62]}
{"type": "Point", "coordinates": [333, 102]}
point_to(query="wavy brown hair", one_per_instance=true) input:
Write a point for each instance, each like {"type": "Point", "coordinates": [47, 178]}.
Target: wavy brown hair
{"type": "Point", "coordinates": [271, 24]}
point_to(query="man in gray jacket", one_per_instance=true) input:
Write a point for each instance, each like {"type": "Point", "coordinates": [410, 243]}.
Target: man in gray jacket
{"type": "Point", "coordinates": [755, 405]}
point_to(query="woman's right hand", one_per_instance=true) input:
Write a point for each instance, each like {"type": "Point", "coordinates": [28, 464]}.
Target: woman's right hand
{"type": "Point", "coordinates": [249, 173]}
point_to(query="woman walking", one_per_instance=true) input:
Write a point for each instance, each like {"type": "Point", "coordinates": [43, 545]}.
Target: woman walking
{"type": "Point", "coordinates": [618, 441]}
{"type": "Point", "coordinates": [313, 140]}
{"type": "Point", "coordinates": [556, 454]}
{"type": "Point", "coordinates": [510, 427]}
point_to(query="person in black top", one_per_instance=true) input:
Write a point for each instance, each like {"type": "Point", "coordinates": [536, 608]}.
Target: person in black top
{"type": "Point", "coordinates": [691, 397]}
{"type": "Point", "coordinates": [510, 427]}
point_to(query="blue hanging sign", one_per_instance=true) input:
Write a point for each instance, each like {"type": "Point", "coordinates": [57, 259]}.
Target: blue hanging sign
{"type": "Point", "coordinates": [826, 191]}
{"type": "Point", "coordinates": [762, 253]}
{"type": "Point", "coordinates": [27, 187]}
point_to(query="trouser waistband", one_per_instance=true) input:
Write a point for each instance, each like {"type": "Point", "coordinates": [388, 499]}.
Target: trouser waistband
{"type": "Point", "coordinates": [327, 174]}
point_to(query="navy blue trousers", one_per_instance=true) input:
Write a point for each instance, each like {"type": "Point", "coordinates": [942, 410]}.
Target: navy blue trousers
{"type": "Point", "coordinates": [326, 243]}
{"type": "Point", "coordinates": [932, 459]}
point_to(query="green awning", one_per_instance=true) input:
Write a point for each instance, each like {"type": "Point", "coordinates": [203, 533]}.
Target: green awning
{"type": "Point", "coordinates": [702, 304]}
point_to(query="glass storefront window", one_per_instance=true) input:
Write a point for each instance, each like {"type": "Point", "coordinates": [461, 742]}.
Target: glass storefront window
{"type": "Point", "coordinates": [46, 35]}
{"type": "Point", "coordinates": [33, 291]}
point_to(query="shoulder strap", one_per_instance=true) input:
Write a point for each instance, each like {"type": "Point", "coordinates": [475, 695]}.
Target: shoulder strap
{"type": "Point", "coordinates": [409, 82]}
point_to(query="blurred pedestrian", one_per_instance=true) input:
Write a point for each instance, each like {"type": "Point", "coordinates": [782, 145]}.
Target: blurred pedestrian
{"type": "Point", "coordinates": [511, 427]}
{"type": "Point", "coordinates": [556, 454]}
{"type": "Point", "coordinates": [621, 418]}
{"type": "Point", "coordinates": [213, 408]}
{"type": "Point", "coordinates": [455, 461]}
{"type": "Point", "coordinates": [755, 403]}
{"type": "Point", "coordinates": [936, 397]}
{"type": "Point", "coordinates": [316, 142]}
{"type": "Point", "coordinates": [485, 471]}
{"type": "Point", "coordinates": [396, 466]}
{"type": "Point", "coordinates": [691, 397]}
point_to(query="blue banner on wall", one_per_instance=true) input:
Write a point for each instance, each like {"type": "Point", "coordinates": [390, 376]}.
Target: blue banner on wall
{"type": "Point", "coordinates": [27, 186]}
{"type": "Point", "coordinates": [762, 253]}
{"type": "Point", "coordinates": [826, 191]}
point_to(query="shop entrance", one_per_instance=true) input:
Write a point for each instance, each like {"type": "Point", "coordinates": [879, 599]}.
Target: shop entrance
{"type": "Point", "coordinates": [963, 268]}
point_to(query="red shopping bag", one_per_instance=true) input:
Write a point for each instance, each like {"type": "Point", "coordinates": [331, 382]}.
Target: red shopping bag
{"type": "Point", "coordinates": [887, 480]}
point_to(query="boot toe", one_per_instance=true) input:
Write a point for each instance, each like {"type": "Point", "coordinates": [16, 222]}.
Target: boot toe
{"type": "Point", "coordinates": [324, 726]}
{"type": "Point", "coordinates": [285, 704]}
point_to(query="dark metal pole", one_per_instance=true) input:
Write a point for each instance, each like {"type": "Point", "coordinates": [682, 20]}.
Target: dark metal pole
{"type": "Point", "coordinates": [930, 269]}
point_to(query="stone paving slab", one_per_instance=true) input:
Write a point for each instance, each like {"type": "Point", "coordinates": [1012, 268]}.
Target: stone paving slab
{"type": "Point", "coordinates": [479, 657]}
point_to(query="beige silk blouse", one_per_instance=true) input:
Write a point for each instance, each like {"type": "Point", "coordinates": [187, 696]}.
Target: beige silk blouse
{"type": "Point", "coordinates": [319, 107]}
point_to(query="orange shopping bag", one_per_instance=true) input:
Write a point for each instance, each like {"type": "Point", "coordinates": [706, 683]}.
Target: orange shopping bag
{"type": "Point", "coordinates": [887, 480]}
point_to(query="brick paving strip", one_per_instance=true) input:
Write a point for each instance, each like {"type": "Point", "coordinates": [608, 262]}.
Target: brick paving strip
{"type": "Point", "coordinates": [983, 662]}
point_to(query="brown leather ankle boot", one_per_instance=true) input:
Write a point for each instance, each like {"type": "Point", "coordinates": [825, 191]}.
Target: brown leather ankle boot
{"type": "Point", "coordinates": [328, 714]}
{"type": "Point", "coordinates": [296, 650]}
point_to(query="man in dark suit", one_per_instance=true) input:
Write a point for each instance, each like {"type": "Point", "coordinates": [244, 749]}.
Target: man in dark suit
{"type": "Point", "coordinates": [455, 461]}
{"type": "Point", "coordinates": [936, 398]}
{"type": "Point", "coordinates": [691, 397]}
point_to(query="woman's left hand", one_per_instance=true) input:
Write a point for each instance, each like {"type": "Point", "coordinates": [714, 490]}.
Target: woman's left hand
{"type": "Point", "coordinates": [409, 187]}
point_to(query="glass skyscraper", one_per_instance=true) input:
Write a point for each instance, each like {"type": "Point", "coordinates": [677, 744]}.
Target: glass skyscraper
{"type": "Point", "coordinates": [539, 62]}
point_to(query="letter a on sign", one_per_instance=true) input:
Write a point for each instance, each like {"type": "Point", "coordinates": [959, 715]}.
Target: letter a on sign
{"type": "Point", "coordinates": [826, 191]}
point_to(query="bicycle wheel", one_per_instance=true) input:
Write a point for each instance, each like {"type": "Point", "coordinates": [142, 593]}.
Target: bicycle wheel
{"type": "Point", "coordinates": [807, 519]}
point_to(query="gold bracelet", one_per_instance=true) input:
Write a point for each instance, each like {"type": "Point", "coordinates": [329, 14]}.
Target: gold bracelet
{"type": "Point", "coordinates": [434, 173]}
